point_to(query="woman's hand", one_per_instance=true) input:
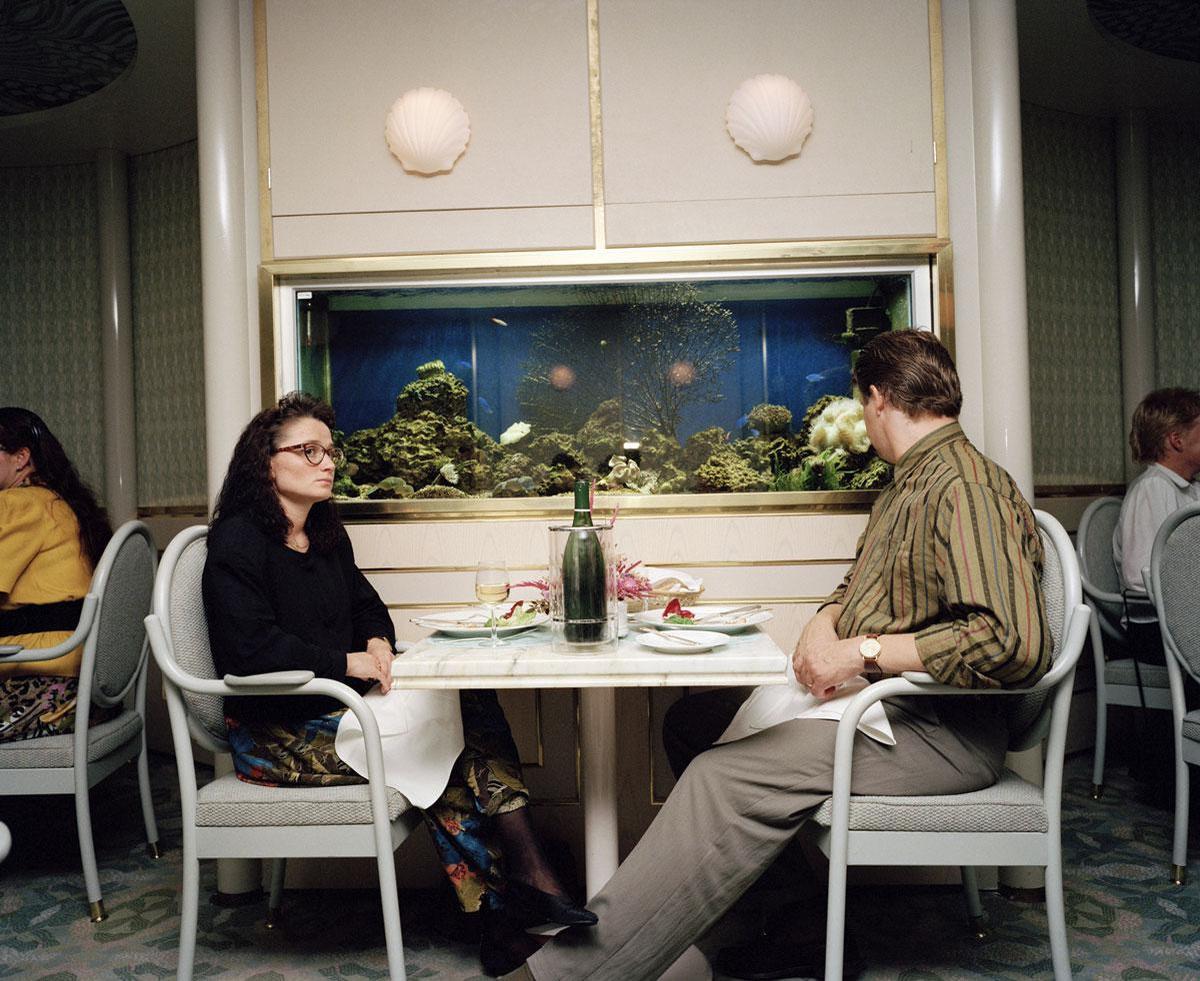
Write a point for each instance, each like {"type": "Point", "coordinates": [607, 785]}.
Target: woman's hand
{"type": "Point", "coordinates": [375, 663]}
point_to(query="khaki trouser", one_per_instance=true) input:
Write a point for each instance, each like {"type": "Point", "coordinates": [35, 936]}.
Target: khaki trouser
{"type": "Point", "coordinates": [734, 810]}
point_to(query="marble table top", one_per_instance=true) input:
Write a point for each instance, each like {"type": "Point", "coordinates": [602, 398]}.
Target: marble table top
{"type": "Point", "coordinates": [525, 660]}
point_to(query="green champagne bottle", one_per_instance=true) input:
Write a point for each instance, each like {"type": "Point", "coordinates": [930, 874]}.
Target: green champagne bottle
{"type": "Point", "coordinates": [585, 600]}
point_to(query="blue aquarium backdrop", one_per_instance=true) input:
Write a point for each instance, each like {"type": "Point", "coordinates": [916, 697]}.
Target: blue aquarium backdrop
{"type": "Point", "coordinates": [516, 390]}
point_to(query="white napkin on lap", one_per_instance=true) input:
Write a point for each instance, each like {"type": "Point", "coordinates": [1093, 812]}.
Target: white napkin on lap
{"type": "Point", "coordinates": [422, 736]}
{"type": "Point", "coordinates": [673, 580]}
{"type": "Point", "coordinates": [769, 705]}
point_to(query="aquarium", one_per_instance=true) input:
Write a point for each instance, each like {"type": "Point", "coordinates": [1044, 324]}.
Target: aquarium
{"type": "Point", "coordinates": [515, 387]}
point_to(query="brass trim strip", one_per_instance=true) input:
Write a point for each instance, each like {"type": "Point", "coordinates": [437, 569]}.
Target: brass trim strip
{"type": "Point", "coordinates": [266, 236]}
{"type": "Point", "coordinates": [773, 600]}
{"type": "Point", "coordinates": [174, 511]}
{"type": "Point", "coordinates": [632, 507]}
{"type": "Point", "coordinates": [599, 232]}
{"type": "Point", "coordinates": [1078, 490]}
{"type": "Point", "coordinates": [766, 255]}
{"type": "Point", "coordinates": [941, 181]}
{"type": "Point", "coordinates": [724, 564]}
{"type": "Point", "coordinates": [943, 270]}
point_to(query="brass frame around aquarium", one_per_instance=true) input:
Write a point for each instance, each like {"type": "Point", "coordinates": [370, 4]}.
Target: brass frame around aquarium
{"type": "Point", "coordinates": [659, 262]}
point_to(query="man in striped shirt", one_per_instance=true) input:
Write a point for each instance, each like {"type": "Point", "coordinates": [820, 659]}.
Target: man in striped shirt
{"type": "Point", "coordinates": [946, 579]}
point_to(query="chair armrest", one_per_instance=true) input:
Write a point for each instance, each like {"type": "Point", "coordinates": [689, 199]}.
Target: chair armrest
{"type": "Point", "coordinates": [6, 649]}
{"type": "Point", "coordinates": [78, 636]}
{"type": "Point", "coordinates": [273, 679]}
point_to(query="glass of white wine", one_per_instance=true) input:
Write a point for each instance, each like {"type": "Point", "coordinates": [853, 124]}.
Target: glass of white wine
{"type": "Point", "coordinates": [491, 587]}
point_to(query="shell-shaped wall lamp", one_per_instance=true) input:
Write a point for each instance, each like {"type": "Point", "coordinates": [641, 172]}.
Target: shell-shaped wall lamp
{"type": "Point", "coordinates": [769, 116]}
{"type": "Point", "coordinates": [427, 130]}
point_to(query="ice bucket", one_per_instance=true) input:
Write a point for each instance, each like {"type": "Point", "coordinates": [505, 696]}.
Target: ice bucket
{"type": "Point", "coordinates": [596, 631]}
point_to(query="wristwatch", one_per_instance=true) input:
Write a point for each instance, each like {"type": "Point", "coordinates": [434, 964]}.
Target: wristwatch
{"type": "Point", "coordinates": [870, 650]}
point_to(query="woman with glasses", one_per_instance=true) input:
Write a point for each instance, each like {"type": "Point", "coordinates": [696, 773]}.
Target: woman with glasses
{"type": "Point", "coordinates": [282, 592]}
{"type": "Point", "coordinates": [52, 534]}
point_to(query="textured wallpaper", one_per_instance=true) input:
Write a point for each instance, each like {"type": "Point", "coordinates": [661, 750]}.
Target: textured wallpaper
{"type": "Point", "coordinates": [1175, 206]}
{"type": "Point", "coordinates": [164, 241]}
{"type": "Point", "coordinates": [1074, 317]}
{"type": "Point", "coordinates": [49, 306]}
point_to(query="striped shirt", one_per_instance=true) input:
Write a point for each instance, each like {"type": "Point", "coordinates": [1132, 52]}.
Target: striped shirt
{"type": "Point", "coordinates": [952, 554]}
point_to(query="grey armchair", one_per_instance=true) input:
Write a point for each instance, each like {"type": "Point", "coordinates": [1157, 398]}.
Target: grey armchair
{"type": "Point", "coordinates": [1174, 585]}
{"type": "Point", "coordinates": [113, 673]}
{"type": "Point", "coordinates": [230, 818]}
{"type": "Point", "coordinates": [1013, 822]}
{"type": "Point", "coordinates": [1119, 681]}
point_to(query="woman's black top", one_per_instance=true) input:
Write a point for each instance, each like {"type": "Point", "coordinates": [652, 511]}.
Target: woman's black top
{"type": "Point", "coordinates": [271, 608]}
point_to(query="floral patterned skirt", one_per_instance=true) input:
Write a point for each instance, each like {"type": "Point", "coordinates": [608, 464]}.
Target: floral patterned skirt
{"type": "Point", "coordinates": [485, 781]}
{"type": "Point", "coordinates": [32, 706]}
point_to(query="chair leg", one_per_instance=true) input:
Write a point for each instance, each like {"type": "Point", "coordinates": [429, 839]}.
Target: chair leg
{"type": "Point", "coordinates": [188, 913]}
{"type": "Point", "coordinates": [1101, 716]}
{"type": "Point", "coordinates": [390, 901]}
{"type": "Point", "coordinates": [143, 767]}
{"type": "Point", "coordinates": [974, 907]}
{"type": "Point", "coordinates": [87, 848]}
{"type": "Point", "coordinates": [278, 871]}
{"type": "Point", "coordinates": [1056, 915]}
{"type": "Point", "coordinates": [1179, 845]}
{"type": "Point", "coordinates": [835, 920]}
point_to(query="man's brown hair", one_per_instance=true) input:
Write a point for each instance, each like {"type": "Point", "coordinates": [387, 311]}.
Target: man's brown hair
{"type": "Point", "coordinates": [912, 371]}
{"type": "Point", "coordinates": [1159, 414]}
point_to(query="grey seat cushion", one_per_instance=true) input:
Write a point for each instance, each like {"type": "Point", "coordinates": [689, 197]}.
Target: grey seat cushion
{"type": "Point", "coordinates": [230, 802]}
{"type": "Point", "coordinates": [1122, 672]}
{"type": "Point", "coordinates": [57, 751]}
{"type": "Point", "coordinates": [1191, 726]}
{"type": "Point", "coordinates": [1012, 804]}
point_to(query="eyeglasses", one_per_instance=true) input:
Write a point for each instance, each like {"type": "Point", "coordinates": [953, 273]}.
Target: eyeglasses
{"type": "Point", "coordinates": [314, 453]}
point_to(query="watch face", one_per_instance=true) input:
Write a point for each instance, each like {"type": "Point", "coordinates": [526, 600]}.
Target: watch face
{"type": "Point", "coordinates": [870, 648]}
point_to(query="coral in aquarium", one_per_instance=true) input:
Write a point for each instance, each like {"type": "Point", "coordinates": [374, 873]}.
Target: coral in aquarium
{"type": "Point", "coordinates": [769, 420]}
{"type": "Point", "coordinates": [840, 425]}
{"type": "Point", "coordinates": [727, 472]}
{"type": "Point", "coordinates": [427, 453]}
{"type": "Point", "coordinates": [660, 345]}
{"type": "Point", "coordinates": [435, 390]}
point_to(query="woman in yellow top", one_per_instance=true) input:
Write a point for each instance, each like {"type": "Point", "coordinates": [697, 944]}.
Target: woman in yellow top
{"type": "Point", "coordinates": [52, 533]}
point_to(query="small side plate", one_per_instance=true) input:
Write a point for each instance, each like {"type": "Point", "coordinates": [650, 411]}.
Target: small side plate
{"type": "Point", "coordinates": [681, 641]}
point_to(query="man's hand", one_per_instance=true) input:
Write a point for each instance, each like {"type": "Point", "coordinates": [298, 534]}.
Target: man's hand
{"type": "Point", "coordinates": [824, 667]}
{"type": "Point", "coordinates": [375, 663]}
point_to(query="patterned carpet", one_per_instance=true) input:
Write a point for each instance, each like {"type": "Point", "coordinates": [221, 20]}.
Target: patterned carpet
{"type": "Point", "coordinates": [1125, 920]}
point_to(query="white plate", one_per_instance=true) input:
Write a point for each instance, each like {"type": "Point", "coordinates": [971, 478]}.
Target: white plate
{"type": "Point", "coordinates": [742, 621]}
{"type": "Point", "coordinates": [472, 622]}
{"type": "Point", "coordinates": [679, 642]}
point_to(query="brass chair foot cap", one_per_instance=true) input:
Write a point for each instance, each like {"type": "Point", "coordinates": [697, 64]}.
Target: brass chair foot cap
{"type": "Point", "coordinates": [152, 850]}
{"type": "Point", "coordinates": [978, 930]}
{"type": "Point", "coordinates": [272, 919]}
{"type": "Point", "coordinates": [1097, 791]}
{"type": "Point", "coordinates": [1178, 874]}
{"type": "Point", "coordinates": [96, 911]}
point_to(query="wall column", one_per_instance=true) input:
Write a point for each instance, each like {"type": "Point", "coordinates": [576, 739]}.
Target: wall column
{"type": "Point", "coordinates": [1000, 207]}
{"type": "Point", "coordinates": [1004, 327]}
{"type": "Point", "coordinates": [116, 336]}
{"type": "Point", "coordinates": [223, 280]}
{"type": "Point", "coordinates": [1135, 264]}
{"type": "Point", "coordinates": [223, 259]}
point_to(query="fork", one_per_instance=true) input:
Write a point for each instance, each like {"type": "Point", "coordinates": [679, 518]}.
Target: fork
{"type": "Point", "coordinates": [726, 613]}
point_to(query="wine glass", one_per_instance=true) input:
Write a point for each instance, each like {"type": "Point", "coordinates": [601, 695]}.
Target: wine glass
{"type": "Point", "coordinates": [491, 587]}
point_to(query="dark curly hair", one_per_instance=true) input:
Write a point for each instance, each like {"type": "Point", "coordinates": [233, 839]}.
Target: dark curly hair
{"type": "Point", "coordinates": [248, 488]}
{"type": "Point", "coordinates": [52, 469]}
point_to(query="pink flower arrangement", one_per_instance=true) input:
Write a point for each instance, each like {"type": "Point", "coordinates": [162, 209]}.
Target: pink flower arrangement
{"type": "Point", "coordinates": [631, 585]}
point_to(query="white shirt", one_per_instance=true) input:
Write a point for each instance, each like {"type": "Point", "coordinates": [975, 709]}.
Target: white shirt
{"type": "Point", "coordinates": [1154, 496]}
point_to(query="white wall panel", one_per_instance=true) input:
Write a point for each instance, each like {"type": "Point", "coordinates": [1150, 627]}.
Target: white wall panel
{"type": "Point", "coordinates": [669, 68]}
{"type": "Point", "coordinates": [520, 71]}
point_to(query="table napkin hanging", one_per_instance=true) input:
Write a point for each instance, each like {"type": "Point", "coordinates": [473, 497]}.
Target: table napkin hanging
{"type": "Point", "coordinates": [769, 705]}
{"type": "Point", "coordinates": [422, 736]}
